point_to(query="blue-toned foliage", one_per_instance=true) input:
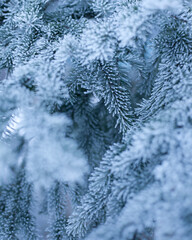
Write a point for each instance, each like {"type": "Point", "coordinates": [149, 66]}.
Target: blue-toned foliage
{"type": "Point", "coordinates": [95, 119]}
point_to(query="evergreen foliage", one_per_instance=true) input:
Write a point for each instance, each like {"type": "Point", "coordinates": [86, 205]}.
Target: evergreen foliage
{"type": "Point", "coordinates": [95, 119]}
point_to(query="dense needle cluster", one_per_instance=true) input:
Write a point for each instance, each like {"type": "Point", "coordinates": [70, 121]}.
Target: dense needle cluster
{"type": "Point", "coordinates": [95, 119]}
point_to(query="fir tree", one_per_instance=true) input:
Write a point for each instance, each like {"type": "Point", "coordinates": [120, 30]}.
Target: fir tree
{"type": "Point", "coordinates": [96, 119]}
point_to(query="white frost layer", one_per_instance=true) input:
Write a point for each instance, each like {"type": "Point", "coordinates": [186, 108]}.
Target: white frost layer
{"type": "Point", "coordinates": [163, 4]}
{"type": "Point", "coordinates": [50, 154]}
